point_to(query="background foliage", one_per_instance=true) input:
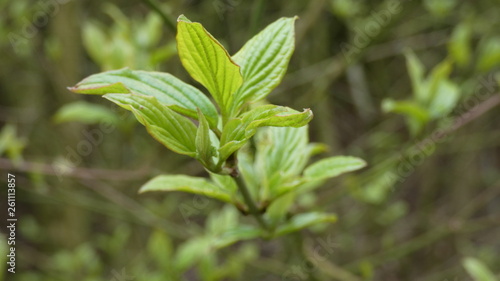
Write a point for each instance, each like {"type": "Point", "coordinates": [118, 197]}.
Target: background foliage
{"type": "Point", "coordinates": [409, 86]}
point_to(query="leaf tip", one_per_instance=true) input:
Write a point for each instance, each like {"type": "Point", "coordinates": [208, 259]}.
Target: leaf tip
{"type": "Point", "coordinates": [183, 18]}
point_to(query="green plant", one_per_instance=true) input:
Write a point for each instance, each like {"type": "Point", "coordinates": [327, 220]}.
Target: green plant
{"type": "Point", "coordinates": [434, 97]}
{"type": "Point", "coordinates": [260, 177]}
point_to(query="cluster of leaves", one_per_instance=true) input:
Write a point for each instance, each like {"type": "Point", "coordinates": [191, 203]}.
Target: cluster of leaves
{"type": "Point", "coordinates": [220, 138]}
{"type": "Point", "coordinates": [434, 97]}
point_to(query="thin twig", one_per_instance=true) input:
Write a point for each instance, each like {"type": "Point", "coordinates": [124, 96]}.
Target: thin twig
{"type": "Point", "coordinates": [81, 173]}
{"type": "Point", "coordinates": [254, 211]}
{"type": "Point", "coordinates": [169, 21]}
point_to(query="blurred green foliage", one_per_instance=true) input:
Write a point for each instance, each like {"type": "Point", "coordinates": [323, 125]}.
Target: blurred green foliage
{"type": "Point", "coordinates": [414, 214]}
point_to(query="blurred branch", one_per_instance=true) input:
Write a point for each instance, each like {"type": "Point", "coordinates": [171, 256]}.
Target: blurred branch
{"type": "Point", "coordinates": [331, 269]}
{"type": "Point", "coordinates": [82, 173]}
{"type": "Point", "coordinates": [310, 17]}
{"type": "Point", "coordinates": [256, 16]}
{"type": "Point", "coordinates": [416, 42]}
{"type": "Point", "coordinates": [169, 21]}
{"type": "Point", "coordinates": [136, 209]}
{"type": "Point", "coordinates": [479, 201]}
{"type": "Point", "coordinates": [467, 117]}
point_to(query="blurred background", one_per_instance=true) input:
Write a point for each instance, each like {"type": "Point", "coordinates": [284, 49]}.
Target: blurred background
{"type": "Point", "coordinates": [409, 86]}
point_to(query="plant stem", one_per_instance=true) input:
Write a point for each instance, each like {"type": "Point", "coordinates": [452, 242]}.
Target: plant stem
{"type": "Point", "coordinates": [250, 203]}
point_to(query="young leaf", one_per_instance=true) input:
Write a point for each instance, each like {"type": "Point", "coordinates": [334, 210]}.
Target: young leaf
{"type": "Point", "coordinates": [478, 270]}
{"type": "Point", "coordinates": [187, 184]}
{"type": "Point", "coordinates": [191, 252]}
{"type": "Point", "coordinates": [305, 220]}
{"type": "Point", "coordinates": [238, 233]}
{"type": "Point", "coordinates": [282, 154]}
{"type": "Point", "coordinates": [445, 99]}
{"type": "Point", "coordinates": [208, 62]}
{"type": "Point", "coordinates": [459, 45]}
{"type": "Point", "coordinates": [332, 167]}
{"type": "Point", "coordinates": [88, 113]}
{"type": "Point", "coordinates": [204, 148]}
{"type": "Point", "coordinates": [167, 89]}
{"type": "Point", "coordinates": [264, 60]}
{"type": "Point", "coordinates": [438, 74]}
{"type": "Point", "coordinates": [168, 127]}
{"type": "Point", "coordinates": [94, 41]}
{"type": "Point", "coordinates": [416, 70]}
{"type": "Point", "coordinates": [489, 54]}
{"type": "Point", "coordinates": [239, 130]}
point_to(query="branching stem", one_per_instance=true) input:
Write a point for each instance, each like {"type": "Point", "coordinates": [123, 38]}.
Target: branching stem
{"type": "Point", "coordinates": [254, 211]}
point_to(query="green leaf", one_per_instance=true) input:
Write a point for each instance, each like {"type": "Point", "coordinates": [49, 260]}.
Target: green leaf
{"type": "Point", "coordinates": [148, 33]}
{"type": "Point", "coordinates": [224, 182]}
{"type": "Point", "coordinates": [239, 130]}
{"type": "Point", "coordinates": [305, 220]}
{"type": "Point", "coordinates": [239, 233]}
{"type": "Point", "coordinates": [489, 54]}
{"type": "Point", "coordinates": [416, 115]}
{"type": "Point", "coordinates": [439, 74]}
{"type": "Point", "coordinates": [94, 40]}
{"type": "Point", "coordinates": [407, 108]}
{"type": "Point", "coordinates": [332, 167]}
{"type": "Point", "coordinates": [187, 184]}
{"type": "Point", "coordinates": [168, 127]}
{"type": "Point", "coordinates": [459, 45]}
{"type": "Point", "coordinates": [264, 60]}
{"type": "Point", "coordinates": [208, 62]}
{"type": "Point", "coordinates": [205, 151]}
{"type": "Point", "coordinates": [167, 89]}
{"type": "Point", "coordinates": [160, 248]}
{"type": "Point", "coordinates": [88, 113]}
{"type": "Point", "coordinates": [445, 99]}
{"type": "Point", "coordinates": [478, 270]}
{"type": "Point", "coordinates": [282, 154]}
{"type": "Point", "coordinates": [416, 70]}
{"type": "Point", "coordinates": [191, 252]}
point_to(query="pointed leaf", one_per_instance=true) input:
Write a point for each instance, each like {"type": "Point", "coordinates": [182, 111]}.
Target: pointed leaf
{"type": "Point", "coordinates": [239, 130]}
{"type": "Point", "coordinates": [459, 45]}
{"type": "Point", "coordinates": [282, 154]}
{"type": "Point", "coordinates": [187, 184]}
{"type": "Point", "coordinates": [333, 166]}
{"type": "Point", "coordinates": [239, 233]}
{"type": "Point", "coordinates": [445, 99]}
{"type": "Point", "coordinates": [167, 89]}
{"type": "Point", "coordinates": [416, 70]}
{"type": "Point", "coordinates": [204, 148]}
{"type": "Point", "coordinates": [88, 113]}
{"type": "Point", "coordinates": [305, 220]}
{"type": "Point", "coordinates": [264, 60]}
{"type": "Point", "coordinates": [208, 62]}
{"type": "Point", "coordinates": [168, 127]}
{"type": "Point", "coordinates": [489, 54]}
{"type": "Point", "coordinates": [190, 252]}
{"type": "Point", "coordinates": [407, 108]}
{"type": "Point", "coordinates": [478, 270]}
{"type": "Point", "coordinates": [438, 74]}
